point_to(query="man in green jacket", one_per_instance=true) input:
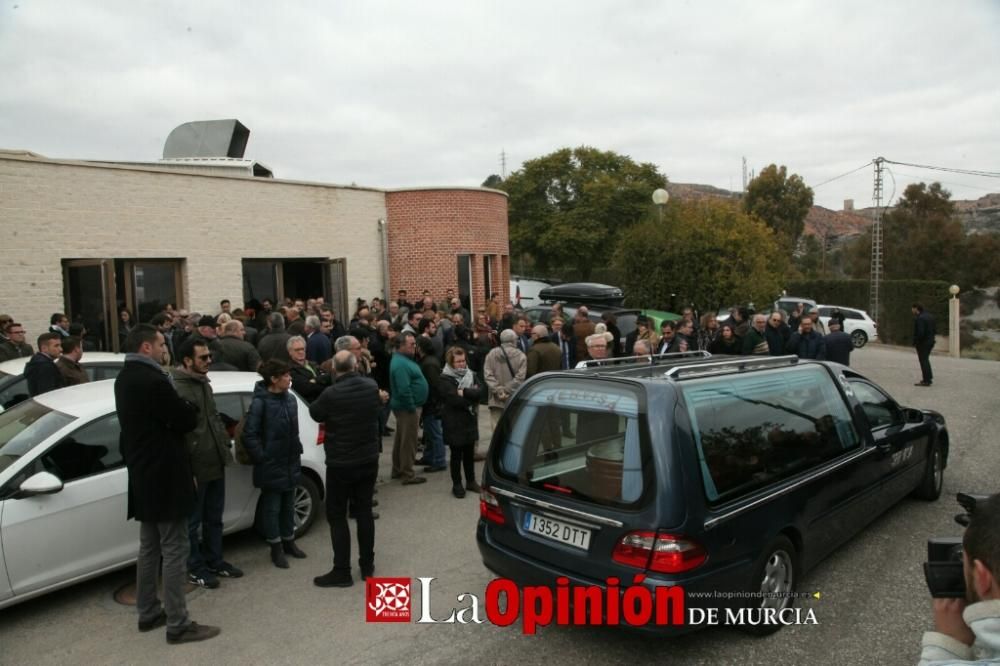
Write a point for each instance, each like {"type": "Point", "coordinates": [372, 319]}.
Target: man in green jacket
{"type": "Point", "coordinates": [408, 391]}
{"type": "Point", "coordinates": [209, 447]}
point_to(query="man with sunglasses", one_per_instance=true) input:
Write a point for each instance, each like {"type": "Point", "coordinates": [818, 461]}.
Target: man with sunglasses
{"type": "Point", "coordinates": [776, 333]}
{"type": "Point", "coordinates": [208, 444]}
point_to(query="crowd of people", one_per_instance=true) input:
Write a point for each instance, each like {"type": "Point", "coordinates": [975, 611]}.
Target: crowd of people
{"type": "Point", "coordinates": [431, 364]}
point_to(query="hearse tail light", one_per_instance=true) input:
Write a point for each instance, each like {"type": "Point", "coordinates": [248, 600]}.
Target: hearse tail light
{"type": "Point", "coordinates": [321, 435]}
{"type": "Point", "coordinates": [663, 553]}
{"type": "Point", "coordinates": [489, 507]}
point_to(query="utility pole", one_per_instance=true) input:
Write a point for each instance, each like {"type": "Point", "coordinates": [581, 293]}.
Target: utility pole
{"type": "Point", "coordinates": [503, 164]}
{"type": "Point", "coordinates": [744, 190]}
{"type": "Point", "coordinates": [878, 256]}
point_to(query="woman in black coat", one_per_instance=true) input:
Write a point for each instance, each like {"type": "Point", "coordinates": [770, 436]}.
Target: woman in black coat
{"type": "Point", "coordinates": [460, 392]}
{"type": "Point", "coordinates": [271, 438]}
{"type": "Point", "coordinates": [727, 342]}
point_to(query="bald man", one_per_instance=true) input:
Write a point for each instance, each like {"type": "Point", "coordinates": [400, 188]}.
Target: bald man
{"type": "Point", "coordinates": [543, 355]}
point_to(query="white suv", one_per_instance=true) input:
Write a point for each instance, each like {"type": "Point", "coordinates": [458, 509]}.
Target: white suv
{"type": "Point", "coordinates": [857, 323]}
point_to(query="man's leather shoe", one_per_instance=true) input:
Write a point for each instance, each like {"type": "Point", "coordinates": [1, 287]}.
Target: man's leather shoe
{"type": "Point", "coordinates": [291, 549]}
{"type": "Point", "coordinates": [435, 468]}
{"type": "Point", "coordinates": [192, 633]}
{"type": "Point", "coordinates": [479, 457]}
{"type": "Point", "coordinates": [473, 487]}
{"type": "Point", "coordinates": [367, 572]}
{"type": "Point", "coordinates": [922, 384]}
{"type": "Point", "coordinates": [158, 621]}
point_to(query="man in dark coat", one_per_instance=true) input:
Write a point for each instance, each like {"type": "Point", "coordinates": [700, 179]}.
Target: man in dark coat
{"type": "Point", "coordinates": [777, 333]}
{"type": "Point", "coordinates": [274, 343]}
{"type": "Point", "coordinates": [308, 380]}
{"type": "Point", "coordinates": [923, 340]}
{"type": "Point", "coordinates": [562, 336]}
{"type": "Point", "coordinates": [544, 355]}
{"type": "Point", "coordinates": [41, 371]}
{"type": "Point", "coordinates": [233, 349]}
{"type": "Point", "coordinates": [838, 344]}
{"type": "Point", "coordinates": [69, 363]}
{"type": "Point", "coordinates": [161, 490]}
{"type": "Point", "coordinates": [350, 408]}
{"type": "Point", "coordinates": [807, 343]}
{"type": "Point", "coordinates": [435, 457]}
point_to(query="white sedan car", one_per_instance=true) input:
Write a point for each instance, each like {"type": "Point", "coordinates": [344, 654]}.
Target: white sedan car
{"type": "Point", "coordinates": [857, 323]}
{"type": "Point", "coordinates": [63, 485]}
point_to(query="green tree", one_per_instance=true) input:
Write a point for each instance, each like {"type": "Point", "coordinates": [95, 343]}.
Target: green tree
{"type": "Point", "coordinates": [924, 240]}
{"type": "Point", "coordinates": [567, 209]}
{"type": "Point", "coordinates": [781, 201]}
{"type": "Point", "coordinates": [708, 253]}
{"type": "Point", "coordinates": [494, 181]}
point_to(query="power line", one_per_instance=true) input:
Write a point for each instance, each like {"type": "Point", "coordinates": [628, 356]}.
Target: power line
{"type": "Point", "coordinates": [968, 172]}
{"type": "Point", "coordinates": [950, 182]}
{"type": "Point", "coordinates": [863, 166]}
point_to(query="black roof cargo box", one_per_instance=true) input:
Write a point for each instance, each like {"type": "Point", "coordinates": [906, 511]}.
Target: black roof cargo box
{"type": "Point", "coordinates": [583, 292]}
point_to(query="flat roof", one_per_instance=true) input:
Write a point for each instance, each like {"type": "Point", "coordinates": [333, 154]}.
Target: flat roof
{"type": "Point", "coordinates": [169, 166]}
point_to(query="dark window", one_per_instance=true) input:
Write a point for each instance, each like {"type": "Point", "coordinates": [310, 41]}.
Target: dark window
{"type": "Point", "coordinates": [879, 408]}
{"type": "Point", "coordinates": [92, 449]}
{"type": "Point", "coordinates": [852, 314]}
{"type": "Point", "coordinates": [101, 372]}
{"type": "Point", "coordinates": [758, 428]}
{"type": "Point", "coordinates": [825, 312]}
{"type": "Point", "coordinates": [581, 439]}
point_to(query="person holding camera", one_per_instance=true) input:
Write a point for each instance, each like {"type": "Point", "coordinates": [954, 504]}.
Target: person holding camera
{"type": "Point", "coordinates": [967, 631]}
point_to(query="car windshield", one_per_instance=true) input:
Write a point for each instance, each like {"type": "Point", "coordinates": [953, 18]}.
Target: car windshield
{"type": "Point", "coordinates": [24, 426]}
{"type": "Point", "coordinates": [580, 439]}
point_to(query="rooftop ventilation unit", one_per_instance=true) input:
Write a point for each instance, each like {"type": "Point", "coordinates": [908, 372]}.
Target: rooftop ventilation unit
{"type": "Point", "coordinates": [207, 138]}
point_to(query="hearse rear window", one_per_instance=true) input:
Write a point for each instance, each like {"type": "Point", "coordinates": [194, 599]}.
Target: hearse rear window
{"type": "Point", "coordinates": [757, 428]}
{"type": "Point", "coordinates": [582, 439]}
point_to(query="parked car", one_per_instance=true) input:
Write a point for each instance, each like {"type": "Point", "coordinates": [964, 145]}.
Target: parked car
{"type": "Point", "coordinates": [789, 303]}
{"type": "Point", "coordinates": [63, 485]}
{"type": "Point", "coordinates": [734, 475]}
{"type": "Point", "coordinates": [857, 323]}
{"type": "Point", "coordinates": [14, 387]}
{"type": "Point", "coordinates": [524, 292]}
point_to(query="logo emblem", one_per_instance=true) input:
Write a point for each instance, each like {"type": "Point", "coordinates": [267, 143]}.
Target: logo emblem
{"type": "Point", "coordinates": [387, 600]}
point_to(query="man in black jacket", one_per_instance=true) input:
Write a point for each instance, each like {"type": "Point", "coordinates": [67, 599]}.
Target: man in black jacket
{"type": "Point", "coordinates": [308, 380]}
{"type": "Point", "coordinates": [350, 409]}
{"type": "Point", "coordinates": [161, 487]}
{"type": "Point", "coordinates": [838, 344]}
{"type": "Point", "coordinates": [41, 371]}
{"type": "Point", "coordinates": [923, 340]}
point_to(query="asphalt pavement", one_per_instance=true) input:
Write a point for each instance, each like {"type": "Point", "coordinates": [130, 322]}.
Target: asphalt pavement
{"type": "Point", "coordinates": [872, 608]}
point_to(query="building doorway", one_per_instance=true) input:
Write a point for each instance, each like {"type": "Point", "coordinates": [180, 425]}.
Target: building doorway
{"type": "Point", "coordinates": [275, 279]}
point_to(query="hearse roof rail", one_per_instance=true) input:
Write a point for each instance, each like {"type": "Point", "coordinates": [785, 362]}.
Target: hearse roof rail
{"type": "Point", "coordinates": [645, 360]}
{"type": "Point", "coordinates": [730, 365]}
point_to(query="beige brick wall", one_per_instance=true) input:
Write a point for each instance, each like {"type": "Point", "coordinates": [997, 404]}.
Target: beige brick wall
{"type": "Point", "coordinates": [50, 211]}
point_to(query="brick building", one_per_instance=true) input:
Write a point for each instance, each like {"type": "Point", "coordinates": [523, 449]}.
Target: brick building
{"type": "Point", "coordinates": [89, 237]}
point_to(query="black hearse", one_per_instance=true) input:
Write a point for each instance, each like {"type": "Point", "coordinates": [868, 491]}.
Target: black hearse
{"type": "Point", "coordinates": [715, 474]}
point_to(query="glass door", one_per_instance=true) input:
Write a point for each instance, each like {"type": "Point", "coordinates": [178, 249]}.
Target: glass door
{"type": "Point", "coordinates": [88, 283]}
{"type": "Point", "coordinates": [152, 285]}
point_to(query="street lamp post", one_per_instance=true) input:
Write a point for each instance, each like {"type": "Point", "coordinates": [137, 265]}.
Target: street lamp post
{"type": "Point", "coordinates": [660, 198]}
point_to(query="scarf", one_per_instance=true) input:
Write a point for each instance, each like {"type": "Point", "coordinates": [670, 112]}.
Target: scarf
{"type": "Point", "coordinates": [465, 377]}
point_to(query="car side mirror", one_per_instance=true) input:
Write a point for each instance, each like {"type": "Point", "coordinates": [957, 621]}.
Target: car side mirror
{"type": "Point", "coordinates": [913, 415]}
{"type": "Point", "coordinates": [42, 483]}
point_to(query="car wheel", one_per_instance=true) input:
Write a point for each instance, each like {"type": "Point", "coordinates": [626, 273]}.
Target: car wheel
{"type": "Point", "coordinates": [775, 576]}
{"type": "Point", "coordinates": [307, 502]}
{"type": "Point", "coordinates": [930, 488]}
{"type": "Point", "coordinates": [859, 338]}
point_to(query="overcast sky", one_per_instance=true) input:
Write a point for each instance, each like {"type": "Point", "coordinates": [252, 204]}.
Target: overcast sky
{"type": "Point", "coordinates": [399, 94]}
